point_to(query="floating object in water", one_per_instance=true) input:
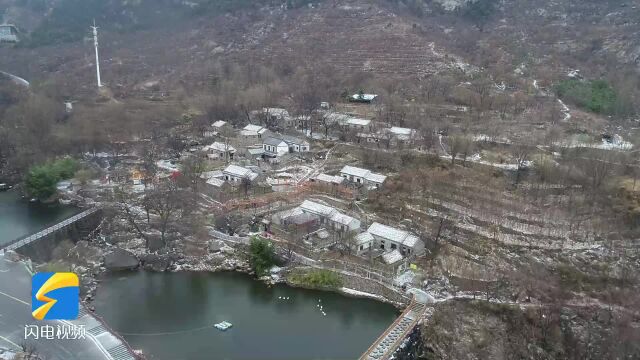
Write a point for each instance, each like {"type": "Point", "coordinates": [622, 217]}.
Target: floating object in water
{"type": "Point", "coordinates": [223, 325]}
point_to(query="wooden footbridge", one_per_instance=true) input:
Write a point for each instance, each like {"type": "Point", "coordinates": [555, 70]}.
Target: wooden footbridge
{"type": "Point", "coordinates": [387, 344]}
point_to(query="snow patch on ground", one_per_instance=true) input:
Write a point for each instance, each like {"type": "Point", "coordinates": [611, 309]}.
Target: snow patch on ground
{"type": "Point", "coordinates": [565, 110]}
{"type": "Point", "coordinates": [406, 277]}
{"type": "Point", "coordinates": [361, 294]}
{"type": "Point", "coordinates": [616, 143]}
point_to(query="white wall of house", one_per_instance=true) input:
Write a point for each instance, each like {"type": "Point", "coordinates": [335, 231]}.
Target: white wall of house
{"type": "Point", "coordinates": [280, 150]}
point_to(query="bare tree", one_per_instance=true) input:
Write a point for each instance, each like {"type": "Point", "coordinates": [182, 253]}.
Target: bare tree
{"type": "Point", "coordinates": [520, 154]}
{"type": "Point", "coordinates": [192, 169]}
{"type": "Point", "coordinates": [127, 204]}
{"type": "Point", "coordinates": [460, 144]}
{"type": "Point", "coordinates": [168, 203]}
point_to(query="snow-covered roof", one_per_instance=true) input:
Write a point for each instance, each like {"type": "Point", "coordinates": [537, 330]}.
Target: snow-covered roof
{"type": "Point", "coordinates": [401, 131]}
{"type": "Point", "coordinates": [411, 240]}
{"type": "Point", "coordinates": [376, 178]}
{"type": "Point", "coordinates": [392, 257]}
{"type": "Point", "coordinates": [239, 171]}
{"type": "Point", "coordinates": [334, 117]}
{"type": "Point", "coordinates": [166, 165]}
{"type": "Point", "coordinates": [365, 97]}
{"type": "Point", "coordinates": [211, 174]}
{"type": "Point", "coordinates": [289, 213]}
{"type": "Point", "coordinates": [393, 234]}
{"type": "Point", "coordinates": [358, 122]}
{"type": "Point", "coordinates": [219, 147]}
{"type": "Point", "coordinates": [330, 178]}
{"type": "Point", "coordinates": [355, 171]}
{"type": "Point", "coordinates": [219, 124]}
{"type": "Point", "coordinates": [325, 211]}
{"type": "Point", "coordinates": [274, 141]}
{"type": "Point", "coordinates": [251, 128]}
{"type": "Point", "coordinates": [346, 220]}
{"type": "Point", "coordinates": [279, 112]}
{"type": "Point", "coordinates": [364, 238]}
{"type": "Point", "coordinates": [215, 182]}
{"type": "Point", "coordinates": [257, 151]}
{"type": "Point", "coordinates": [292, 140]}
{"type": "Point", "coordinates": [317, 208]}
{"type": "Point", "coordinates": [363, 173]}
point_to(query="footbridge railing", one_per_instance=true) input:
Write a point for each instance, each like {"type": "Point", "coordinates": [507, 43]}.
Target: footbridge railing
{"type": "Point", "coordinates": [20, 242]}
{"type": "Point", "coordinates": [387, 344]}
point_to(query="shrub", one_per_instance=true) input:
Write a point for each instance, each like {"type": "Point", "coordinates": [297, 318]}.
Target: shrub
{"type": "Point", "coordinates": [41, 180]}
{"type": "Point", "coordinates": [262, 256]}
{"type": "Point", "coordinates": [597, 96]}
{"type": "Point", "coordinates": [317, 279]}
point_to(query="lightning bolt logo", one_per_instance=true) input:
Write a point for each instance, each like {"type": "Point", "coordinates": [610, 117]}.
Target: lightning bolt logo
{"type": "Point", "coordinates": [63, 305]}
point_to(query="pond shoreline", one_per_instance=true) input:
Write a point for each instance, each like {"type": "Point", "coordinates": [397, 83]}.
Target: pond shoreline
{"type": "Point", "coordinates": [300, 303]}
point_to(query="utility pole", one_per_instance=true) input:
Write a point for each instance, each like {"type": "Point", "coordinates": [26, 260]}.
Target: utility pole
{"type": "Point", "coordinates": [95, 42]}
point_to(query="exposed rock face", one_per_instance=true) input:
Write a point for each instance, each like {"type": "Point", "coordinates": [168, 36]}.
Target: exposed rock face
{"type": "Point", "coordinates": [158, 263]}
{"type": "Point", "coordinates": [155, 242]}
{"type": "Point", "coordinates": [121, 259]}
{"type": "Point", "coordinates": [12, 256]}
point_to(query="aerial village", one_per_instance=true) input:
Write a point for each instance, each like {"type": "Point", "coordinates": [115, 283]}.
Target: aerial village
{"type": "Point", "coordinates": [279, 177]}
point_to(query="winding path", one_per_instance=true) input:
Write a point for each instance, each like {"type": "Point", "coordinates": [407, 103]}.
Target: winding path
{"type": "Point", "coordinates": [16, 79]}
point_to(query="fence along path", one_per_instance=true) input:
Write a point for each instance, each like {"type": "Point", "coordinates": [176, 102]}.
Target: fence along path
{"type": "Point", "coordinates": [20, 242]}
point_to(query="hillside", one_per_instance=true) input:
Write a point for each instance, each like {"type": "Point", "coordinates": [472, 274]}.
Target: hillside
{"type": "Point", "coordinates": [521, 167]}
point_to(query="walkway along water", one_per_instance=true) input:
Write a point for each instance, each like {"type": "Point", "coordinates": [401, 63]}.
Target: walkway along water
{"type": "Point", "coordinates": [100, 343]}
{"type": "Point", "coordinates": [387, 344]}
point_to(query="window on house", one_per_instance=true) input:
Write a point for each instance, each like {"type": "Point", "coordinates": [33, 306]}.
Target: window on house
{"type": "Point", "coordinates": [393, 246]}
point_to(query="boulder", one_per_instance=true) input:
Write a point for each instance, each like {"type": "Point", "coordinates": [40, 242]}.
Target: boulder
{"type": "Point", "coordinates": [215, 246]}
{"type": "Point", "coordinates": [12, 256]}
{"type": "Point", "coordinates": [155, 242]}
{"type": "Point", "coordinates": [121, 259]}
{"type": "Point", "coordinates": [154, 262]}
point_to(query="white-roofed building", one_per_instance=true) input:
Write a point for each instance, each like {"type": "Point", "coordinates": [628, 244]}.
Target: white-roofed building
{"type": "Point", "coordinates": [253, 131]}
{"type": "Point", "coordinates": [363, 98]}
{"type": "Point", "coordinates": [358, 124]}
{"type": "Point", "coordinates": [329, 217]}
{"type": "Point", "coordinates": [363, 242]}
{"type": "Point", "coordinates": [392, 257]}
{"type": "Point", "coordinates": [329, 179]}
{"type": "Point", "coordinates": [235, 174]}
{"type": "Point", "coordinates": [216, 128]}
{"type": "Point", "coordinates": [402, 134]}
{"type": "Point", "coordinates": [219, 151]}
{"type": "Point", "coordinates": [278, 145]}
{"type": "Point", "coordinates": [388, 238]}
{"type": "Point", "coordinates": [362, 176]}
{"type": "Point", "coordinates": [8, 33]}
{"type": "Point", "coordinates": [274, 147]}
{"type": "Point", "coordinates": [215, 182]}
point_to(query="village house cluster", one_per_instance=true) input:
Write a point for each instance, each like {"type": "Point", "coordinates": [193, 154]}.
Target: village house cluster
{"type": "Point", "coordinates": [275, 153]}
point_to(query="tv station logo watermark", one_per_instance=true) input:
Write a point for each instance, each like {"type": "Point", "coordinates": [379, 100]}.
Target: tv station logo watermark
{"type": "Point", "coordinates": [57, 332]}
{"type": "Point", "coordinates": [55, 296]}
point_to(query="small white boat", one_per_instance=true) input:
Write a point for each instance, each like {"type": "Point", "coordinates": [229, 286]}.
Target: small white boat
{"type": "Point", "coordinates": [223, 326]}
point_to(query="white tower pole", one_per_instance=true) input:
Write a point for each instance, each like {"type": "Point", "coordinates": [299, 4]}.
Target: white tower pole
{"type": "Point", "coordinates": [95, 42]}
